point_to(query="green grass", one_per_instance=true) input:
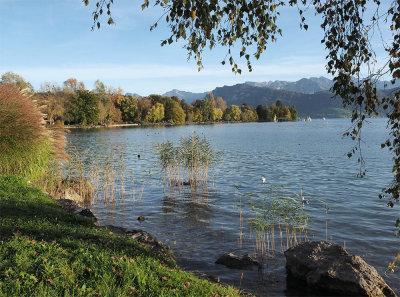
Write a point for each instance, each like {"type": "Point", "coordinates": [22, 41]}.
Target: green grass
{"type": "Point", "coordinates": [31, 162]}
{"type": "Point", "coordinates": [45, 251]}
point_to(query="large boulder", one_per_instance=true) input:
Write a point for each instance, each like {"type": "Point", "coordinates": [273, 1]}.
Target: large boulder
{"type": "Point", "coordinates": [329, 268]}
{"type": "Point", "coordinates": [235, 262]}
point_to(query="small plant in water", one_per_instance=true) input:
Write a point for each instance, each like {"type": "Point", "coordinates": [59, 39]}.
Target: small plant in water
{"type": "Point", "coordinates": [189, 162]}
{"type": "Point", "coordinates": [277, 212]}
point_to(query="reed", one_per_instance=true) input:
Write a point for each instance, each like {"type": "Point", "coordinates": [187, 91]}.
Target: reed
{"type": "Point", "coordinates": [189, 162]}
{"type": "Point", "coordinates": [95, 180]}
{"type": "Point", "coordinates": [277, 216]}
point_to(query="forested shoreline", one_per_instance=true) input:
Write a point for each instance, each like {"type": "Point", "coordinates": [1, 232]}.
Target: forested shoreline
{"type": "Point", "coordinates": [73, 104]}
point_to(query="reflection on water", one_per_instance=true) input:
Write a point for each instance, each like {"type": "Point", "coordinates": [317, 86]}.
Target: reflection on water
{"type": "Point", "coordinates": [202, 225]}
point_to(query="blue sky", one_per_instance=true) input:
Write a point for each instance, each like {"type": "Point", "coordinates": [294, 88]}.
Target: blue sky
{"type": "Point", "coordinates": [51, 41]}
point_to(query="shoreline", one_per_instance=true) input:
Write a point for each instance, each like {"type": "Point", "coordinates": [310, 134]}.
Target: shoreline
{"type": "Point", "coordinates": [48, 251]}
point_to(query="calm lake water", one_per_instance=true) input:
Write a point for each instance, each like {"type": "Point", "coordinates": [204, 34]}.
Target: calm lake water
{"type": "Point", "coordinates": [296, 155]}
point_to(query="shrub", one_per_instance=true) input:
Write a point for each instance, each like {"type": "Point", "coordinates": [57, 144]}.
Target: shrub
{"type": "Point", "coordinates": [24, 141]}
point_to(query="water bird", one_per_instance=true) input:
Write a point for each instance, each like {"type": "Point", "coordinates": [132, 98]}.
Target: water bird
{"type": "Point", "coordinates": [303, 200]}
{"type": "Point", "coordinates": [263, 179]}
{"type": "Point", "coordinates": [138, 156]}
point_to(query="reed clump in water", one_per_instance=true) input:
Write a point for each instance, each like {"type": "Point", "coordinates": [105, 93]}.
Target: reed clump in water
{"type": "Point", "coordinates": [189, 162]}
{"type": "Point", "coordinates": [278, 217]}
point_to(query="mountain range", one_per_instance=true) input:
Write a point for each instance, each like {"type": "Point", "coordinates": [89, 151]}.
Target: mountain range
{"type": "Point", "coordinates": [304, 85]}
{"type": "Point", "coordinates": [311, 96]}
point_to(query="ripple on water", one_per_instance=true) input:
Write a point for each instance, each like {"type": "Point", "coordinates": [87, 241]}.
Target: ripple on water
{"type": "Point", "coordinates": [299, 155]}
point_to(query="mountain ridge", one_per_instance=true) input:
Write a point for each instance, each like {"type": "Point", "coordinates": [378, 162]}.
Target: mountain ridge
{"type": "Point", "coordinates": [311, 96]}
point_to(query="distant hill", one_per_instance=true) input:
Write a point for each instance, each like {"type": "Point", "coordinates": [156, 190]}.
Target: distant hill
{"type": "Point", "coordinates": [311, 96]}
{"type": "Point", "coordinates": [133, 94]}
{"type": "Point", "coordinates": [187, 96]}
{"type": "Point", "coordinates": [311, 85]}
{"type": "Point", "coordinates": [305, 85]}
{"type": "Point", "coordinates": [316, 105]}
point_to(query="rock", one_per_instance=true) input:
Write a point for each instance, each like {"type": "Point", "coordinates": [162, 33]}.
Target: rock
{"type": "Point", "coordinates": [150, 241]}
{"type": "Point", "coordinates": [78, 189]}
{"type": "Point", "coordinates": [141, 218]}
{"type": "Point", "coordinates": [233, 261]}
{"type": "Point", "coordinates": [71, 194]}
{"type": "Point", "coordinates": [116, 230]}
{"type": "Point", "coordinates": [329, 268]}
{"type": "Point", "coordinates": [211, 278]}
{"type": "Point", "coordinates": [68, 205]}
{"type": "Point", "coordinates": [86, 213]}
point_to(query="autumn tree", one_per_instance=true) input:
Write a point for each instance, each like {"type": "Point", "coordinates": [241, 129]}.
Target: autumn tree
{"type": "Point", "coordinates": [220, 103]}
{"type": "Point", "coordinates": [156, 113]}
{"type": "Point", "coordinates": [144, 105]}
{"type": "Point", "coordinates": [248, 114]}
{"type": "Point", "coordinates": [216, 114]}
{"type": "Point", "coordinates": [129, 108]}
{"type": "Point", "coordinates": [173, 111]}
{"type": "Point", "coordinates": [232, 113]}
{"type": "Point", "coordinates": [188, 109]}
{"type": "Point", "coordinates": [17, 80]}
{"type": "Point", "coordinates": [197, 116]}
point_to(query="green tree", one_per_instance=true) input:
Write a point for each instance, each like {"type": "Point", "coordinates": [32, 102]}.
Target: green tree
{"type": "Point", "coordinates": [18, 81]}
{"type": "Point", "coordinates": [216, 114]}
{"type": "Point", "coordinates": [261, 112]}
{"type": "Point", "coordinates": [293, 113]}
{"type": "Point", "coordinates": [286, 113]}
{"type": "Point", "coordinates": [99, 88]}
{"type": "Point", "coordinates": [156, 113]}
{"type": "Point", "coordinates": [188, 109]}
{"type": "Point", "coordinates": [129, 108]}
{"type": "Point", "coordinates": [87, 108]}
{"type": "Point", "coordinates": [197, 116]}
{"type": "Point", "coordinates": [174, 111]}
{"type": "Point", "coordinates": [205, 108]}
{"type": "Point", "coordinates": [232, 113]}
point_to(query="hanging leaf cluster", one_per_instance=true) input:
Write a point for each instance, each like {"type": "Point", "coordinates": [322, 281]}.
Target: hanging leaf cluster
{"type": "Point", "coordinates": [248, 25]}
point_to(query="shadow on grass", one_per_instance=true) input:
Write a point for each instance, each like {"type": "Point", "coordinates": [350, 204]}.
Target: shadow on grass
{"type": "Point", "coordinates": [27, 211]}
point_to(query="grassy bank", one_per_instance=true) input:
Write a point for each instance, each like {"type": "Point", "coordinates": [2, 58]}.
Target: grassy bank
{"type": "Point", "coordinates": [45, 251]}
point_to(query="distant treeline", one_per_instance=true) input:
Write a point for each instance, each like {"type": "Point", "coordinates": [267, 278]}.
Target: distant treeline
{"type": "Point", "coordinates": [72, 104]}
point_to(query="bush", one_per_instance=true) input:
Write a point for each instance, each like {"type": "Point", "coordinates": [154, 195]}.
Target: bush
{"type": "Point", "coordinates": [24, 143]}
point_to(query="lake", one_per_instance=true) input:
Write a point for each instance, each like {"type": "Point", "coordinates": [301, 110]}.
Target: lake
{"type": "Point", "coordinates": [204, 224]}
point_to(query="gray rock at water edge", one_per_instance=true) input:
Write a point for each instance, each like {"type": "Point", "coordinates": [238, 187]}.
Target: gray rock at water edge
{"type": "Point", "coordinates": [115, 229]}
{"type": "Point", "coordinates": [329, 268]}
{"type": "Point", "coordinates": [235, 262]}
{"type": "Point", "coordinates": [150, 241]}
{"type": "Point", "coordinates": [210, 278]}
{"type": "Point", "coordinates": [68, 205]}
{"type": "Point", "coordinates": [86, 213]}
